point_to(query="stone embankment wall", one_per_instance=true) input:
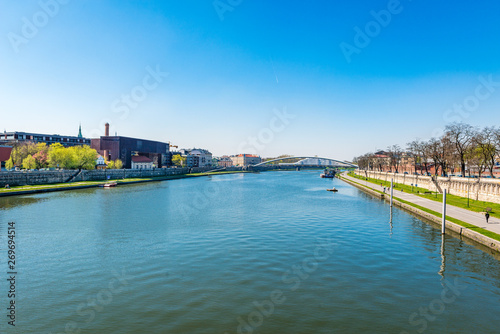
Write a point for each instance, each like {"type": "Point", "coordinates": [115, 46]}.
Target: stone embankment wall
{"type": "Point", "coordinates": [45, 177]}
{"type": "Point", "coordinates": [482, 189]}
{"type": "Point", "coordinates": [22, 178]}
{"type": "Point", "coordinates": [40, 177]}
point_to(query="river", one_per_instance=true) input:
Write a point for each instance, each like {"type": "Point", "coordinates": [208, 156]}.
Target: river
{"type": "Point", "coordinates": [242, 253]}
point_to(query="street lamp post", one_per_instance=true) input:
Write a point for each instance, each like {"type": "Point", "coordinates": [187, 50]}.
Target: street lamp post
{"type": "Point", "coordinates": [468, 189]}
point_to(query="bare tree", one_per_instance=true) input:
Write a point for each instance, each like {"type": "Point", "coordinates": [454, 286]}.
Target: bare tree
{"type": "Point", "coordinates": [461, 137]}
{"type": "Point", "coordinates": [414, 152]}
{"type": "Point", "coordinates": [423, 151]}
{"type": "Point", "coordinates": [379, 162]}
{"type": "Point", "coordinates": [486, 149]}
{"type": "Point", "coordinates": [363, 161]}
{"type": "Point", "coordinates": [434, 150]}
{"type": "Point", "coordinates": [395, 153]}
{"type": "Point", "coordinates": [462, 145]}
{"type": "Point", "coordinates": [441, 153]}
{"type": "Point", "coordinates": [475, 157]}
{"type": "Point", "coordinates": [449, 156]}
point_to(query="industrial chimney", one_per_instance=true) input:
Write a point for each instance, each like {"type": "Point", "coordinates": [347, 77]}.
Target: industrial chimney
{"type": "Point", "coordinates": [106, 133]}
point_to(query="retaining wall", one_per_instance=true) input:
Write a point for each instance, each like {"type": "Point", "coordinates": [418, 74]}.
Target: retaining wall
{"type": "Point", "coordinates": [22, 178]}
{"type": "Point", "coordinates": [482, 189]}
{"type": "Point", "coordinates": [45, 177]}
{"type": "Point", "coordinates": [37, 177]}
{"type": "Point", "coordinates": [492, 244]}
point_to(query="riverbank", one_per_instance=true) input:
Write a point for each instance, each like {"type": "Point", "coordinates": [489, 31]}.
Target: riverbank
{"type": "Point", "coordinates": [35, 189]}
{"type": "Point", "coordinates": [457, 220]}
{"type": "Point", "coordinates": [479, 189]}
{"type": "Point", "coordinates": [455, 200]}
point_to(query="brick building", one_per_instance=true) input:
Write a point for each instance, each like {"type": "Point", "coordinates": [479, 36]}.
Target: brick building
{"type": "Point", "coordinates": [124, 148]}
{"type": "Point", "coordinates": [4, 154]}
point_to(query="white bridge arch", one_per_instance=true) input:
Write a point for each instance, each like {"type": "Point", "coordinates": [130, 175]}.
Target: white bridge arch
{"type": "Point", "coordinates": [311, 161]}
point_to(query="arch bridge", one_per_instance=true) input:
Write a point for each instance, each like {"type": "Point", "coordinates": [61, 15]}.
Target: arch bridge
{"type": "Point", "coordinates": [310, 162]}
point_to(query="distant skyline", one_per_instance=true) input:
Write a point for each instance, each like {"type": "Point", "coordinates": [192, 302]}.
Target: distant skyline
{"type": "Point", "coordinates": [284, 77]}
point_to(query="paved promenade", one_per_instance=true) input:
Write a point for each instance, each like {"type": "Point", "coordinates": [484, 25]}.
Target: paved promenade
{"type": "Point", "coordinates": [467, 216]}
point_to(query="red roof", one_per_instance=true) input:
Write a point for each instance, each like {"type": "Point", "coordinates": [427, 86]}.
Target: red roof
{"type": "Point", "coordinates": [5, 153]}
{"type": "Point", "coordinates": [141, 159]}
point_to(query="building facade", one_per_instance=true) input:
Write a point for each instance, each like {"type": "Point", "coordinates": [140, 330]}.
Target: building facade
{"type": "Point", "coordinates": [245, 159]}
{"type": "Point", "coordinates": [124, 148]}
{"type": "Point", "coordinates": [140, 162]}
{"type": "Point", "coordinates": [198, 157]}
{"type": "Point", "coordinates": [5, 152]}
{"type": "Point", "coordinates": [225, 161]}
{"type": "Point", "coordinates": [15, 137]}
{"type": "Point", "coordinates": [100, 163]}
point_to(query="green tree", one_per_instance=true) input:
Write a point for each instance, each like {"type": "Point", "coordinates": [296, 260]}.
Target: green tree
{"type": "Point", "coordinates": [21, 151]}
{"type": "Point", "coordinates": [118, 164]}
{"type": "Point", "coordinates": [9, 164]}
{"type": "Point", "coordinates": [29, 162]}
{"type": "Point", "coordinates": [84, 157]}
{"type": "Point", "coordinates": [178, 160]}
{"type": "Point", "coordinates": [61, 157]}
{"type": "Point", "coordinates": [42, 147]}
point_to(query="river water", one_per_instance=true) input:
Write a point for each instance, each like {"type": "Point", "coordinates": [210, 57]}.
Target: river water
{"type": "Point", "coordinates": [241, 253]}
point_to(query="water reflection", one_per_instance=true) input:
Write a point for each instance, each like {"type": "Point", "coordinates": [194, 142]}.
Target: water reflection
{"type": "Point", "coordinates": [443, 257]}
{"type": "Point", "coordinates": [390, 222]}
{"type": "Point", "coordinates": [14, 201]}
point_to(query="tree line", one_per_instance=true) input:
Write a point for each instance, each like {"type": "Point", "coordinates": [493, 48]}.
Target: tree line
{"type": "Point", "coordinates": [461, 147]}
{"type": "Point", "coordinates": [29, 155]}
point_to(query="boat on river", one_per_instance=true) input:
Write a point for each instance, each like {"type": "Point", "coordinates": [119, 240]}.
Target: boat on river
{"type": "Point", "coordinates": [333, 189]}
{"type": "Point", "coordinates": [328, 174]}
{"type": "Point", "coordinates": [109, 185]}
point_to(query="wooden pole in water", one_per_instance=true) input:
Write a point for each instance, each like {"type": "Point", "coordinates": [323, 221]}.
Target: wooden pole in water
{"type": "Point", "coordinates": [443, 224]}
{"type": "Point", "coordinates": [392, 185]}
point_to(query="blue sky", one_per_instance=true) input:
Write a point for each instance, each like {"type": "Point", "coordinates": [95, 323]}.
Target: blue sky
{"type": "Point", "coordinates": [229, 78]}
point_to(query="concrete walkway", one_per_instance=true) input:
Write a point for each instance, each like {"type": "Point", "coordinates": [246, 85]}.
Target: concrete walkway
{"type": "Point", "coordinates": [471, 217]}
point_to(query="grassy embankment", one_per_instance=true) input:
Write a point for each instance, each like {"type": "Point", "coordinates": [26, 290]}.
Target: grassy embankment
{"type": "Point", "coordinates": [434, 213]}
{"type": "Point", "coordinates": [96, 183]}
{"type": "Point", "coordinates": [458, 201]}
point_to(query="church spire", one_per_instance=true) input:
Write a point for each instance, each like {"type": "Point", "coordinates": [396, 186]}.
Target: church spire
{"type": "Point", "coordinates": [80, 131]}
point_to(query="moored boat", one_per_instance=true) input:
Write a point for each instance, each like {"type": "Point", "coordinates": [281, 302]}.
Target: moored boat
{"type": "Point", "coordinates": [328, 174]}
{"type": "Point", "coordinates": [109, 185]}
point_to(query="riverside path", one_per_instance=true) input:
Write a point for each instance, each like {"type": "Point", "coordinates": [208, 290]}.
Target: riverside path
{"type": "Point", "coordinates": [471, 217]}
